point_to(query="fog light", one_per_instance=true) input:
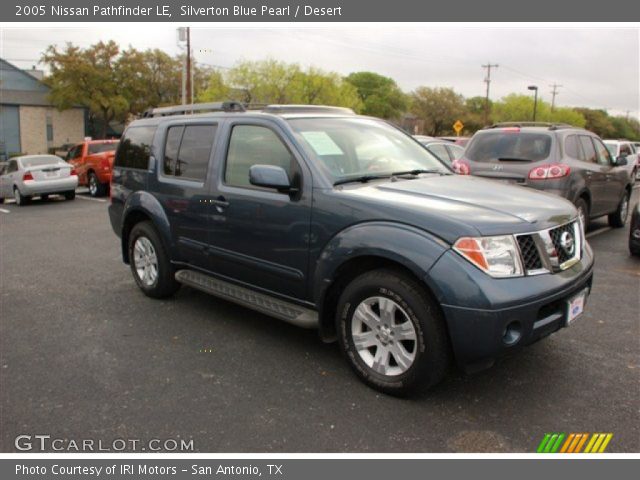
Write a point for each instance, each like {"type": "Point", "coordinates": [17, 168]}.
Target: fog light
{"type": "Point", "coordinates": [512, 334]}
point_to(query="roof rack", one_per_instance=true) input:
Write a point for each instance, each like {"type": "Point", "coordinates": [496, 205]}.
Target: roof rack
{"type": "Point", "coordinates": [282, 109]}
{"type": "Point", "coordinates": [231, 106]}
{"type": "Point", "coordinates": [551, 126]}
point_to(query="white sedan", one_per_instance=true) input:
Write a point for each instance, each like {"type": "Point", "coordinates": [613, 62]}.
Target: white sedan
{"type": "Point", "coordinates": [37, 175]}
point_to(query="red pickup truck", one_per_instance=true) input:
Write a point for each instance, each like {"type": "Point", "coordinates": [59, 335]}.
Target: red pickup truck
{"type": "Point", "coordinates": [93, 161]}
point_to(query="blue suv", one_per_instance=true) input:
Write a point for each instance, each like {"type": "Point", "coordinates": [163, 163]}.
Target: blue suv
{"type": "Point", "coordinates": [344, 223]}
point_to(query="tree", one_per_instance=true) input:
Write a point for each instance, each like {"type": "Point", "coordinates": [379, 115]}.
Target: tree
{"type": "Point", "coordinates": [439, 108]}
{"type": "Point", "coordinates": [519, 108]}
{"type": "Point", "coordinates": [86, 77]}
{"type": "Point", "coordinates": [380, 96]}
{"type": "Point", "coordinates": [269, 81]}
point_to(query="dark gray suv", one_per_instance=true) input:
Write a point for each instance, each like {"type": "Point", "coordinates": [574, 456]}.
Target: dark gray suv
{"type": "Point", "coordinates": [346, 224]}
{"type": "Point", "coordinates": [567, 161]}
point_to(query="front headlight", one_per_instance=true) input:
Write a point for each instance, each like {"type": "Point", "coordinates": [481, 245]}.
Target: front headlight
{"type": "Point", "coordinates": [497, 256]}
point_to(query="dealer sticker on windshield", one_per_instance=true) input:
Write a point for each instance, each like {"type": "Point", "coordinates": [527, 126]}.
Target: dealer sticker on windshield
{"type": "Point", "coordinates": [576, 306]}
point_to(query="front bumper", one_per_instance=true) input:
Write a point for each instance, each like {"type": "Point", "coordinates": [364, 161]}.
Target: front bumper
{"type": "Point", "coordinates": [58, 185]}
{"type": "Point", "coordinates": [483, 312]}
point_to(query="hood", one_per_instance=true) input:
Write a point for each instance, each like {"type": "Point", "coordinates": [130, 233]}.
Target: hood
{"type": "Point", "coordinates": [455, 205]}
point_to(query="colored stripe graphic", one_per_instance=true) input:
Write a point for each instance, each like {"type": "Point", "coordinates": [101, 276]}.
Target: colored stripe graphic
{"type": "Point", "coordinates": [556, 443]}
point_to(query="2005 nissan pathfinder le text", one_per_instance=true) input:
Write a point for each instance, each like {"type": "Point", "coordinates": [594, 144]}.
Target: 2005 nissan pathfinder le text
{"type": "Point", "coordinates": [344, 223]}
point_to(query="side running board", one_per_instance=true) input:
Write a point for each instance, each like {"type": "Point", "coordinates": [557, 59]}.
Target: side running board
{"type": "Point", "coordinates": [289, 312]}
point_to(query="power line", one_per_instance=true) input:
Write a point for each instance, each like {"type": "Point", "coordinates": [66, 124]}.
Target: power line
{"type": "Point", "coordinates": [554, 92]}
{"type": "Point", "coordinates": [487, 80]}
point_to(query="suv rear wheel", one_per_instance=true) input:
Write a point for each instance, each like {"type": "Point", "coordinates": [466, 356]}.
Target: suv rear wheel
{"type": "Point", "coordinates": [96, 189]}
{"type": "Point", "coordinates": [391, 333]}
{"type": "Point", "coordinates": [618, 219]}
{"type": "Point", "coordinates": [150, 263]}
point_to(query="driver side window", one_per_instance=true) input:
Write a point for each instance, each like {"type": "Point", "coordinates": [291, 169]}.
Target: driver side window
{"type": "Point", "coordinates": [604, 157]}
{"type": "Point", "coordinates": [254, 145]}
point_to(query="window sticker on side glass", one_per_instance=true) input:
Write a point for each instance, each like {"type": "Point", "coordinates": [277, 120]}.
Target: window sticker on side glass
{"type": "Point", "coordinates": [322, 143]}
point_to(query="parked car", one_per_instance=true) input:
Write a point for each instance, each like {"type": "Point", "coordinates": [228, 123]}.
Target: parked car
{"type": "Point", "coordinates": [626, 149]}
{"type": "Point", "coordinates": [634, 231]}
{"type": "Point", "coordinates": [462, 141]}
{"type": "Point", "coordinates": [570, 162]}
{"type": "Point", "coordinates": [446, 151]}
{"type": "Point", "coordinates": [37, 175]}
{"type": "Point", "coordinates": [93, 160]}
{"type": "Point", "coordinates": [344, 223]}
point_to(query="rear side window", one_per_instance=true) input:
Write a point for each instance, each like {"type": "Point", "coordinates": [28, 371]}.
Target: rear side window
{"type": "Point", "coordinates": [588, 149]}
{"type": "Point", "coordinates": [572, 147]}
{"type": "Point", "coordinates": [187, 151]}
{"type": "Point", "coordinates": [253, 145]}
{"type": "Point", "coordinates": [509, 145]}
{"type": "Point", "coordinates": [102, 147]}
{"type": "Point", "coordinates": [135, 148]}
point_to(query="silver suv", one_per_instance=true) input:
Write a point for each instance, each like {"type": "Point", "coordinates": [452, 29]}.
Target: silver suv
{"type": "Point", "coordinates": [560, 159]}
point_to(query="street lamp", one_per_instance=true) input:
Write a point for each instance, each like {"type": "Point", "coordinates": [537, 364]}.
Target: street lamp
{"type": "Point", "coordinates": [535, 102]}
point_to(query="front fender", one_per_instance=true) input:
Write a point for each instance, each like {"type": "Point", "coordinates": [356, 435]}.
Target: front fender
{"type": "Point", "coordinates": [408, 246]}
{"type": "Point", "coordinates": [143, 203]}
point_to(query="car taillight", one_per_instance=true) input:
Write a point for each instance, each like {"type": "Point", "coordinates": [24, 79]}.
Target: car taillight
{"type": "Point", "coordinates": [27, 176]}
{"type": "Point", "coordinates": [544, 172]}
{"type": "Point", "coordinates": [73, 172]}
{"type": "Point", "coordinates": [461, 167]}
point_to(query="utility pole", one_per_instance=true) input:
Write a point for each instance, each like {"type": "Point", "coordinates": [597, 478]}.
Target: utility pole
{"type": "Point", "coordinates": [554, 92]}
{"type": "Point", "coordinates": [487, 80]}
{"type": "Point", "coordinates": [189, 97]}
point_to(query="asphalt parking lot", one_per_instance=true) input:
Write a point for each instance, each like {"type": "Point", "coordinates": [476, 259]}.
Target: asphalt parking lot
{"type": "Point", "coordinates": [84, 354]}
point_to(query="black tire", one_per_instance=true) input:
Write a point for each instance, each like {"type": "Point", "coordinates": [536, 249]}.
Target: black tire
{"type": "Point", "coordinates": [96, 189]}
{"type": "Point", "coordinates": [618, 219]}
{"type": "Point", "coordinates": [20, 199]}
{"type": "Point", "coordinates": [581, 205]}
{"type": "Point", "coordinates": [70, 195]}
{"type": "Point", "coordinates": [431, 348]}
{"type": "Point", "coordinates": [165, 283]}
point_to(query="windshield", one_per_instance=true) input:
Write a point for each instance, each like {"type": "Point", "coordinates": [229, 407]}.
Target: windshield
{"type": "Point", "coordinates": [102, 147]}
{"type": "Point", "coordinates": [39, 161]}
{"type": "Point", "coordinates": [353, 147]}
{"type": "Point", "coordinates": [509, 145]}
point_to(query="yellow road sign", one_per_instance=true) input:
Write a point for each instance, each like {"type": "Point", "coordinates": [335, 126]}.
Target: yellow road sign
{"type": "Point", "coordinates": [458, 126]}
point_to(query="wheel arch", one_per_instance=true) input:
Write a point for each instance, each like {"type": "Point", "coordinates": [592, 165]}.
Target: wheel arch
{"type": "Point", "coordinates": [140, 207]}
{"type": "Point", "coordinates": [367, 247]}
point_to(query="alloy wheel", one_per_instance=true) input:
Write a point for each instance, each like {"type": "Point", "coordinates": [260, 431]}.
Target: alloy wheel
{"type": "Point", "coordinates": [145, 261]}
{"type": "Point", "coordinates": [384, 336]}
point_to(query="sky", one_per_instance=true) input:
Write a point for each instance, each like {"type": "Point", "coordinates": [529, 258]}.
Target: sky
{"type": "Point", "coordinates": [598, 67]}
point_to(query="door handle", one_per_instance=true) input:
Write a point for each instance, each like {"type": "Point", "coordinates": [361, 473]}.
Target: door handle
{"type": "Point", "coordinates": [220, 203]}
{"type": "Point", "coordinates": [588, 173]}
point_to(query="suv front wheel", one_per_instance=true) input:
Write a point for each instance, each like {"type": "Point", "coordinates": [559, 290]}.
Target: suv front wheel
{"type": "Point", "coordinates": [392, 333]}
{"type": "Point", "coordinates": [150, 263]}
{"type": "Point", "coordinates": [618, 219]}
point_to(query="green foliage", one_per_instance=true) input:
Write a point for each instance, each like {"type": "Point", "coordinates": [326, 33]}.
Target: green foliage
{"type": "Point", "coordinates": [439, 108]}
{"type": "Point", "coordinates": [516, 107]}
{"type": "Point", "coordinates": [381, 97]}
{"type": "Point", "coordinates": [270, 81]}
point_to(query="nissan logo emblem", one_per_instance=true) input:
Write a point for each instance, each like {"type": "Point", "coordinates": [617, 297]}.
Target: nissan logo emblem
{"type": "Point", "coordinates": [567, 243]}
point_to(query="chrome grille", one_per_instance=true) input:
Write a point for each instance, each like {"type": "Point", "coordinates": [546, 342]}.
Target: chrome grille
{"type": "Point", "coordinates": [557, 236]}
{"type": "Point", "coordinates": [529, 251]}
{"type": "Point", "coordinates": [551, 250]}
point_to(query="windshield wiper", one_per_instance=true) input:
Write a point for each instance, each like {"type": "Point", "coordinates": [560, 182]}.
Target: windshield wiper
{"type": "Point", "coordinates": [514, 159]}
{"type": "Point", "coordinates": [360, 178]}
{"type": "Point", "coordinates": [418, 171]}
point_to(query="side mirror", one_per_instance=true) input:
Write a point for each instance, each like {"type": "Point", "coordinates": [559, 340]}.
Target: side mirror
{"type": "Point", "coordinates": [621, 161]}
{"type": "Point", "coordinates": [270, 176]}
